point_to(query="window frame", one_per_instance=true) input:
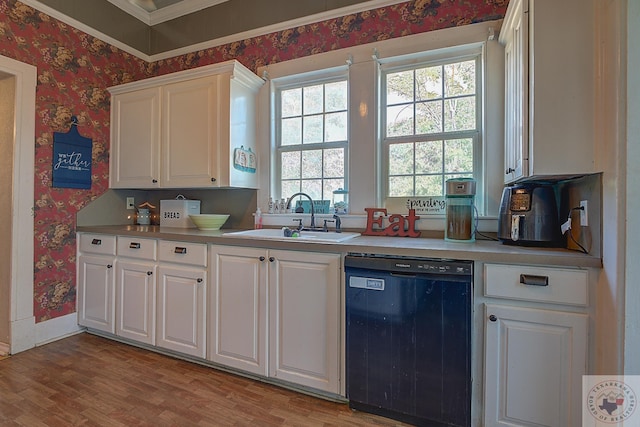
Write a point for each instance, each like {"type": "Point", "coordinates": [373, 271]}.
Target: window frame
{"type": "Point", "coordinates": [461, 53]}
{"type": "Point", "coordinates": [321, 76]}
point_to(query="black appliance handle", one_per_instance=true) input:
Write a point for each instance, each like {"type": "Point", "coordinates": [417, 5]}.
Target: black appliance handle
{"type": "Point", "coordinates": [533, 280]}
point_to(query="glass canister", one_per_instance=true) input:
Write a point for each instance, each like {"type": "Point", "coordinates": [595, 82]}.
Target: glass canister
{"type": "Point", "coordinates": [341, 201]}
{"type": "Point", "coordinates": [460, 195]}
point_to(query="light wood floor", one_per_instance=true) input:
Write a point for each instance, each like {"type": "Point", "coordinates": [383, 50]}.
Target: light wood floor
{"type": "Point", "coordinates": [92, 381]}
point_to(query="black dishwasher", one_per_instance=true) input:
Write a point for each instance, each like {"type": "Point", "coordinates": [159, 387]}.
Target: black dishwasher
{"type": "Point", "coordinates": [408, 338]}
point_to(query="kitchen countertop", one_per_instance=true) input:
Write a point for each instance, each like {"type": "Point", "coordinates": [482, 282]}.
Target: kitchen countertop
{"type": "Point", "coordinates": [481, 250]}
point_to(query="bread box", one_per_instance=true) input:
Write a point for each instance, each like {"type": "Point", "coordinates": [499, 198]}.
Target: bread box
{"type": "Point", "coordinates": [175, 212]}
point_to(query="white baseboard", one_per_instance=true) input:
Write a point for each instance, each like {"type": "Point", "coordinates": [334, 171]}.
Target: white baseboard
{"type": "Point", "coordinates": [23, 334]}
{"type": "Point", "coordinates": [55, 329]}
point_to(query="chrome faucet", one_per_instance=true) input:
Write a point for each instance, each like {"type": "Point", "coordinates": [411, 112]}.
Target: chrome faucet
{"type": "Point", "coordinates": [313, 217]}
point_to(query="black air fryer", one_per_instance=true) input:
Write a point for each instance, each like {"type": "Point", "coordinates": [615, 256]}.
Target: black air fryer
{"type": "Point", "coordinates": [529, 216]}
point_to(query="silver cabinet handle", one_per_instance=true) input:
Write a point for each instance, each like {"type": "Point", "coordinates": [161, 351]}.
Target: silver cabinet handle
{"type": "Point", "coordinates": [96, 242]}
{"type": "Point", "coordinates": [134, 245]}
{"type": "Point", "coordinates": [199, 280]}
{"type": "Point", "coordinates": [180, 250]}
{"type": "Point", "coordinates": [533, 280]}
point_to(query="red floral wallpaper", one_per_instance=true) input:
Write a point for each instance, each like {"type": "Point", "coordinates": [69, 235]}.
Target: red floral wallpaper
{"type": "Point", "coordinates": [74, 70]}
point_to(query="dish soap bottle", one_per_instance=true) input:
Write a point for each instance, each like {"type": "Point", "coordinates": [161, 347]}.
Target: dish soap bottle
{"type": "Point", "coordinates": [257, 219]}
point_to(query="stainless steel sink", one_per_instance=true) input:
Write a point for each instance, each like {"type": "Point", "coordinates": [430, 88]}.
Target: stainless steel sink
{"type": "Point", "coordinates": [307, 236]}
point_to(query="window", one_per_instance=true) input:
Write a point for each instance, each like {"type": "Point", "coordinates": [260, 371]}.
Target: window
{"type": "Point", "coordinates": [417, 111]}
{"type": "Point", "coordinates": [312, 133]}
{"type": "Point", "coordinates": [431, 126]}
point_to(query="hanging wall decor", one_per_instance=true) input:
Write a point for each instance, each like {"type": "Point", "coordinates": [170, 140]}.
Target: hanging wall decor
{"type": "Point", "coordinates": [72, 158]}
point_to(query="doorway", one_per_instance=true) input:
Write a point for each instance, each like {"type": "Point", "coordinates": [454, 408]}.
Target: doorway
{"type": "Point", "coordinates": [17, 158]}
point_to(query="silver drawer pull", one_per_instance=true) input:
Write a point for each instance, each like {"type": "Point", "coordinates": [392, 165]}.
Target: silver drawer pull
{"type": "Point", "coordinates": [134, 245]}
{"type": "Point", "coordinates": [96, 242]}
{"type": "Point", "coordinates": [180, 250]}
{"type": "Point", "coordinates": [533, 280]}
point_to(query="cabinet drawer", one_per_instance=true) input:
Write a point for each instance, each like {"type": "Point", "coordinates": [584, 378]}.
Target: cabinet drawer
{"type": "Point", "coordinates": [543, 284]}
{"type": "Point", "coordinates": [183, 253]}
{"type": "Point", "coordinates": [134, 247]}
{"type": "Point", "coordinates": [98, 244]}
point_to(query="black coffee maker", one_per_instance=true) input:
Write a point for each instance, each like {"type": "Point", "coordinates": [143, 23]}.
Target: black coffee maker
{"type": "Point", "coordinates": [529, 216]}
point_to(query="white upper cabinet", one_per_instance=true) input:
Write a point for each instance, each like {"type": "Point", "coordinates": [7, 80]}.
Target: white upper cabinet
{"type": "Point", "coordinates": [549, 88]}
{"type": "Point", "coordinates": [191, 129]}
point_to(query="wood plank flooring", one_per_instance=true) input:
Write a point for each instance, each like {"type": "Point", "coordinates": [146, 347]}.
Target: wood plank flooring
{"type": "Point", "coordinates": [86, 380]}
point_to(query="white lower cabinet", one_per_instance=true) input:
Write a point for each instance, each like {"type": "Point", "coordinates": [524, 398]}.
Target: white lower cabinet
{"type": "Point", "coordinates": [238, 308]}
{"type": "Point", "coordinates": [136, 295]}
{"type": "Point", "coordinates": [304, 319]}
{"type": "Point", "coordinates": [181, 303]}
{"type": "Point", "coordinates": [136, 288]}
{"type": "Point", "coordinates": [182, 290]}
{"type": "Point", "coordinates": [535, 356]}
{"type": "Point", "coordinates": [291, 297]}
{"type": "Point", "coordinates": [96, 281]}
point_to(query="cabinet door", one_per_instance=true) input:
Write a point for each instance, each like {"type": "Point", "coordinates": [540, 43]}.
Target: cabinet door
{"type": "Point", "coordinates": [238, 304]}
{"type": "Point", "coordinates": [135, 296]}
{"type": "Point", "coordinates": [304, 316]}
{"type": "Point", "coordinates": [534, 362]}
{"type": "Point", "coordinates": [190, 134]}
{"type": "Point", "coordinates": [96, 292]}
{"type": "Point", "coordinates": [180, 309]}
{"type": "Point", "coordinates": [135, 139]}
{"type": "Point", "coordinates": [516, 93]}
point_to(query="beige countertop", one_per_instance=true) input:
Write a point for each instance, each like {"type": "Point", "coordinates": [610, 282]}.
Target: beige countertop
{"type": "Point", "coordinates": [481, 250]}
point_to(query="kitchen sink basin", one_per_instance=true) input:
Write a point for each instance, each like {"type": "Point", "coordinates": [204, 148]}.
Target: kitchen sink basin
{"type": "Point", "coordinates": [306, 236]}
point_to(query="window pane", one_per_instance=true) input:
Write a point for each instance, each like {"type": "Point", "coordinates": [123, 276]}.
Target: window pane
{"type": "Point", "coordinates": [460, 114]}
{"type": "Point", "coordinates": [401, 159]}
{"type": "Point", "coordinates": [429, 185]}
{"type": "Point", "coordinates": [336, 96]}
{"type": "Point", "coordinates": [334, 162]}
{"type": "Point", "coordinates": [330, 185]}
{"type": "Point", "coordinates": [400, 87]}
{"type": "Point", "coordinates": [313, 99]}
{"type": "Point", "coordinates": [313, 187]}
{"type": "Point", "coordinates": [400, 120]}
{"type": "Point", "coordinates": [289, 188]}
{"type": "Point", "coordinates": [312, 129]}
{"type": "Point", "coordinates": [336, 127]}
{"type": "Point", "coordinates": [458, 155]}
{"type": "Point", "coordinates": [429, 157]}
{"type": "Point", "coordinates": [429, 117]}
{"type": "Point", "coordinates": [290, 161]}
{"type": "Point", "coordinates": [428, 83]}
{"type": "Point", "coordinates": [400, 186]}
{"type": "Point", "coordinates": [291, 102]}
{"type": "Point", "coordinates": [312, 164]}
{"type": "Point", "coordinates": [460, 78]}
{"type": "Point", "coordinates": [291, 131]}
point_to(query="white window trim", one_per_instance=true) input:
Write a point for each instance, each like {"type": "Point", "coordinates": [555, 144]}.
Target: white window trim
{"type": "Point", "coordinates": [474, 51]}
{"type": "Point", "coordinates": [279, 84]}
{"type": "Point", "coordinates": [364, 161]}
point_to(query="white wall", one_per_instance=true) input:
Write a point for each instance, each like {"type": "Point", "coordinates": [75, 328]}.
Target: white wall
{"type": "Point", "coordinates": [632, 290]}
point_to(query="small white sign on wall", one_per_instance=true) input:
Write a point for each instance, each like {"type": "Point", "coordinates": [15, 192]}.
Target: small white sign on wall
{"type": "Point", "coordinates": [434, 205]}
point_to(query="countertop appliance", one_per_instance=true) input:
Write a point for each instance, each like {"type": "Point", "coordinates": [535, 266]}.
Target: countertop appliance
{"type": "Point", "coordinates": [529, 216]}
{"type": "Point", "coordinates": [460, 194]}
{"type": "Point", "coordinates": [408, 338]}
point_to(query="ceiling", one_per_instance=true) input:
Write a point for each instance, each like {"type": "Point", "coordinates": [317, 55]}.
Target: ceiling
{"type": "Point", "coordinates": [153, 12]}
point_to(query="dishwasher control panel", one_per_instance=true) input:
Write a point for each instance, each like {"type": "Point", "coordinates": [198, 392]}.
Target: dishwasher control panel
{"type": "Point", "coordinates": [409, 265]}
